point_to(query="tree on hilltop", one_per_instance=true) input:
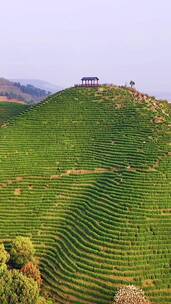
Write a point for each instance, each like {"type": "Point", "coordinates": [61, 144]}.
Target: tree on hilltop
{"type": "Point", "coordinates": [132, 83]}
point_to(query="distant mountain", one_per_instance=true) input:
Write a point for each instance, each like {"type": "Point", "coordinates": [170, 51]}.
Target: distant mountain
{"type": "Point", "coordinates": [24, 93]}
{"type": "Point", "coordinates": [44, 85]}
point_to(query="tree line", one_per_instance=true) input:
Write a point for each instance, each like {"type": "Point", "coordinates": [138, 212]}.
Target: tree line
{"type": "Point", "coordinates": [20, 277]}
{"type": "Point", "coordinates": [31, 90]}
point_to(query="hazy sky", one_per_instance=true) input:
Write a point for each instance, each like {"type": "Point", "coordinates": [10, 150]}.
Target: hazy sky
{"type": "Point", "coordinates": [63, 40]}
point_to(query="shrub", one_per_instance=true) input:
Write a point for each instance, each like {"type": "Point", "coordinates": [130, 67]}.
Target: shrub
{"type": "Point", "coordinates": [31, 271]}
{"type": "Point", "coordinates": [4, 255]}
{"type": "Point", "coordinates": [15, 288]}
{"type": "Point", "coordinates": [22, 251]}
{"type": "Point", "coordinates": [130, 295]}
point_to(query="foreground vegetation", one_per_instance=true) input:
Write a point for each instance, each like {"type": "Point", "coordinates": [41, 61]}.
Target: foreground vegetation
{"type": "Point", "coordinates": [20, 278]}
{"type": "Point", "coordinates": [86, 174]}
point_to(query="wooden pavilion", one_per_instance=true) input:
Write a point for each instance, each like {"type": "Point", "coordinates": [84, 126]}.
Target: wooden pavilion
{"type": "Point", "coordinates": [90, 81]}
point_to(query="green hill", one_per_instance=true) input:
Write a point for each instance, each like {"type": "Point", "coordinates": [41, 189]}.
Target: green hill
{"type": "Point", "coordinates": [86, 175]}
{"type": "Point", "coordinates": [10, 110]}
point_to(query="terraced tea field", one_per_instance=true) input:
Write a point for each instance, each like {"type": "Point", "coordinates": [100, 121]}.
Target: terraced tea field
{"type": "Point", "coordinates": [10, 110]}
{"type": "Point", "coordinates": [86, 175]}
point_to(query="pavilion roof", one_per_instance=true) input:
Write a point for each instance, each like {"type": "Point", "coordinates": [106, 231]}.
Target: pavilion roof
{"type": "Point", "coordinates": [89, 78]}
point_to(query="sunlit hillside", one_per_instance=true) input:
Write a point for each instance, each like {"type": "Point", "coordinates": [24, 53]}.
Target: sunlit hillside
{"type": "Point", "coordinates": [86, 175]}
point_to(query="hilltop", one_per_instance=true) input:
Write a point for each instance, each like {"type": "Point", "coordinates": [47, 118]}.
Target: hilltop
{"type": "Point", "coordinates": [14, 91]}
{"type": "Point", "coordinates": [86, 175]}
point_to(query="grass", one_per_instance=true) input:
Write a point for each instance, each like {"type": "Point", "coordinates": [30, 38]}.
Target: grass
{"type": "Point", "coordinates": [10, 110]}
{"type": "Point", "coordinates": [86, 174]}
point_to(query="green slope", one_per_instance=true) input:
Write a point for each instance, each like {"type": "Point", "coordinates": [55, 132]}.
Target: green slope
{"type": "Point", "coordinates": [86, 174]}
{"type": "Point", "coordinates": [10, 110]}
